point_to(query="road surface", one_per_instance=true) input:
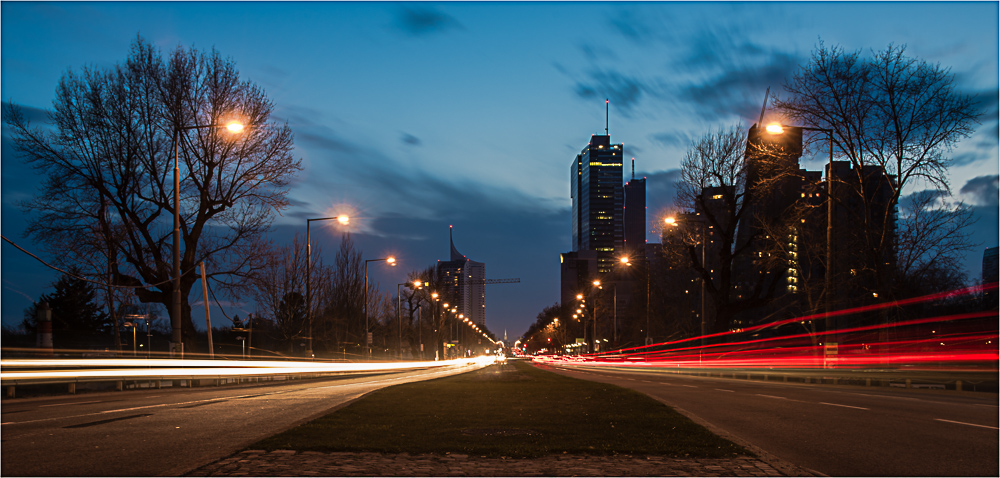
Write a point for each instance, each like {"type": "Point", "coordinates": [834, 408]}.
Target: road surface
{"type": "Point", "coordinates": [167, 432]}
{"type": "Point", "coordinates": [830, 429]}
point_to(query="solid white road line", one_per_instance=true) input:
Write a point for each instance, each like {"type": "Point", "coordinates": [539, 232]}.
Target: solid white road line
{"type": "Point", "coordinates": [969, 424]}
{"type": "Point", "coordinates": [845, 406]}
{"type": "Point", "coordinates": [72, 403]}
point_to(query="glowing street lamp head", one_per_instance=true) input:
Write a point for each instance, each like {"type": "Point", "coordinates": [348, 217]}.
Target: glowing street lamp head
{"type": "Point", "coordinates": [624, 260]}
{"type": "Point", "coordinates": [417, 283]}
{"type": "Point", "coordinates": [670, 221]}
{"type": "Point", "coordinates": [597, 283]}
{"type": "Point", "coordinates": [434, 295]}
{"type": "Point", "coordinates": [234, 127]}
{"type": "Point", "coordinates": [775, 128]}
{"type": "Point", "coordinates": [344, 219]}
{"type": "Point", "coordinates": [579, 297]}
{"type": "Point", "coordinates": [391, 260]}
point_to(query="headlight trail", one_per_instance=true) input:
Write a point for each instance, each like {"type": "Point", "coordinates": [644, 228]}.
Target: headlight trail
{"type": "Point", "coordinates": [95, 369]}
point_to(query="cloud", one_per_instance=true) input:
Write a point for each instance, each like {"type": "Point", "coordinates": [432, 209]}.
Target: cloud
{"type": "Point", "coordinates": [356, 170]}
{"type": "Point", "coordinates": [625, 92]}
{"type": "Point", "coordinates": [935, 197]}
{"type": "Point", "coordinates": [421, 21]}
{"type": "Point", "coordinates": [661, 190]}
{"type": "Point", "coordinates": [716, 72]}
{"type": "Point", "coordinates": [675, 139]}
{"type": "Point", "coordinates": [410, 139]}
{"type": "Point", "coordinates": [595, 53]}
{"type": "Point", "coordinates": [970, 157]}
{"type": "Point", "coordinates": [738, 88]}
{"type": "Point", "coordinates": [987, 101]}
{"type": "Point", "coordinates": [632, 27]}
{"type": "Point", "coordinates": [323, 141]}
{"type": "Point", "coordinates": [30, 113]}
{"type": "Point", "coordinates": [982, 190]}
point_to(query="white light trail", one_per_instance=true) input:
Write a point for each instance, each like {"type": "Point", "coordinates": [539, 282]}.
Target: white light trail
{"type": "Point", "coordinates": [95, 369]}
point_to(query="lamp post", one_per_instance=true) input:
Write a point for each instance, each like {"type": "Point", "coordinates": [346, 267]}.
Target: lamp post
{"type": "Point", "coordinates": [398, 322]}
{"type": "Point", "coordinates": [132, 325]}
{"type": "Point", "coordinates": [434, 317]}
{"type": "Point", "coordinates": [827, 278]}
{"type": "Point", "coordinates": [392, 262]}
{"type": "Point", "coordinates": [175, 320]}
{"type": "Point", "coordinates": [624, 260]}
{"type": "Point", "coordinates": [343, 220]}
{"type": "Point", "coordinates": [597, 284]}
{"type": "Point", "coordinates": [451, 328]}
{"type": "Point", "coordinates": [672, 222]}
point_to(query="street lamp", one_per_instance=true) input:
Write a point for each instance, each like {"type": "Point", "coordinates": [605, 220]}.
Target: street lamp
{"type": "Point", "coordinates": [776, 128]}
{"type": "Point", "coordinates": [343, 220]}
{"type": "Point", "coordinates": [392, 262]}
{"type": "Point", "coordinates": [175, 320]}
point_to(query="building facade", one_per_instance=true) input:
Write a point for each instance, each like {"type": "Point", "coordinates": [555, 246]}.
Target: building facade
{"type": "Point", "coordinates": [635, 218]}
{"type": "Point", "coordinates": [464, 283]}
{"type": "Point", "coordinates": [598, 200]}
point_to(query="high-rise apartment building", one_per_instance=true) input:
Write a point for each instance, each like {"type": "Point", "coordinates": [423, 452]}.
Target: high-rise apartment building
{"type": "Point", "coordinates": [598, 200]}
{"type": "Point", "coordinates": [784, 228]}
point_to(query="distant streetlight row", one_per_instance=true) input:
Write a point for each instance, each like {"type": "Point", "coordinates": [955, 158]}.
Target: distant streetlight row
{"type": "Point", "coordinates": [236, 127]}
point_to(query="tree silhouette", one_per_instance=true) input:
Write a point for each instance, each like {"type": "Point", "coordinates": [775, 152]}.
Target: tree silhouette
{"type": "Point", "coordinates": [109, 167]}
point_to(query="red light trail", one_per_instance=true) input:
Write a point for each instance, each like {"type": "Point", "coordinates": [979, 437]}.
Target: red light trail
{"type": "Point", "coordinates": [962, 341]}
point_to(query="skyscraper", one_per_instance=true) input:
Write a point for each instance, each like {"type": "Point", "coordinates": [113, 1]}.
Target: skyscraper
{"type": "Point", "coordinates": [598, 200]}
{"type": "Point", "coordinates": [465, 283]}
{"type": "Point", "coordinates": [635, 217]}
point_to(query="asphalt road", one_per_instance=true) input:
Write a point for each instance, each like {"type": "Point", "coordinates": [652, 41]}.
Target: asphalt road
{"type": "Point", "coordinates": [829, 429]}
{"type": "Point", "coordinates": [166, 432]}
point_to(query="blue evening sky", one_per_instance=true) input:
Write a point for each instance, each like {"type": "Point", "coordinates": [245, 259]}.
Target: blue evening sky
{"type": "Point", "coordinates": [417, 116]}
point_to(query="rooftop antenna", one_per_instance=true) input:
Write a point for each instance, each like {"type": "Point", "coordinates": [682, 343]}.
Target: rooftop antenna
{"type": "Point", "coordinates": [633, 169]}
{"type": "Point", "coordinates": [607, 110]}
{"type": "Point", "coordinates": [760, 122]}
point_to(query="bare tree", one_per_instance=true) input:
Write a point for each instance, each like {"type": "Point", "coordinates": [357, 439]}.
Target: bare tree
{"type": "Point", "coordinates": [714, 187]}
{"type": "Point", "coordinates": [932, 237]}
{"type": "Point", "coordinates": [888, 111]}
{"type": "Point", "coordinates": [278, 287]}
{"type": "Point", "coordinates": [338, 322]}
{"type": "Point", "coordinates": [109, 168]}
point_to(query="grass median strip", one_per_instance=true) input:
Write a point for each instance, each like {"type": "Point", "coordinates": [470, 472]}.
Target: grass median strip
{"type": "Point", "coordinates": [513, 410]}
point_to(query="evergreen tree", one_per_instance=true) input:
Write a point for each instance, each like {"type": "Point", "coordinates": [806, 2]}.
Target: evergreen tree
{"type": "Point", "coordinates": [78, 321]}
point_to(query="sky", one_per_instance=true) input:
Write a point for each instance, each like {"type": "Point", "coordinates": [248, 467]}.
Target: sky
{"type": "Point", "coordinates": [412, 117]}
